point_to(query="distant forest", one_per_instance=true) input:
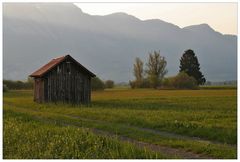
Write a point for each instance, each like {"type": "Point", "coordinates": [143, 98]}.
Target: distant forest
{"type": "Point", "coordinates": [98, 84]}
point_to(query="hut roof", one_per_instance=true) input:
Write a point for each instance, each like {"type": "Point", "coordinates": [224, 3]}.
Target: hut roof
{"type": "Point", "coordinates": [54, 62]}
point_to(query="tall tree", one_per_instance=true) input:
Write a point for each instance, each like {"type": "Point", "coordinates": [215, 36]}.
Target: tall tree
{"type": "Point", "coordinates": [189, 64]}
{"type": "Point", "coordinates": [156, 68]}
{"type": "Point", "coordinates": [138, 71]}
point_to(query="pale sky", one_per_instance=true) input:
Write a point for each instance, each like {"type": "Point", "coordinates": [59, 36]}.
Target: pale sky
{"type": "Point", "coordinates": [222, 17]}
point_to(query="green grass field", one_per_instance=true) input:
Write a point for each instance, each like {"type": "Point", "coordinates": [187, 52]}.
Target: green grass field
{"type": "Point", "coordinates": [123, 124]}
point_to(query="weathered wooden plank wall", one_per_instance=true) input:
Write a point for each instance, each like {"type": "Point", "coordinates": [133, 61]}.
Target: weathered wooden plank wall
{"type": "Point", "coordinates": [38, 90]}
{"type": "Point", "coordinates": [65, 83]}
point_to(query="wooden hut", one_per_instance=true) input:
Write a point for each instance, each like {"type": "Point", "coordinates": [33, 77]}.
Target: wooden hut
{"type": "Point", "coordinates": [64, 80]}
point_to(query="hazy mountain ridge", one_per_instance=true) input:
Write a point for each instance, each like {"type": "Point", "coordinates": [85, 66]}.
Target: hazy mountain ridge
{"type": "Point", "coordinates": [107, 45]}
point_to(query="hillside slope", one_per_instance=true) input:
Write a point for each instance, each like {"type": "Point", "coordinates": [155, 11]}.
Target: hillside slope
{"type": "Point", "coordinates": [107, 45]}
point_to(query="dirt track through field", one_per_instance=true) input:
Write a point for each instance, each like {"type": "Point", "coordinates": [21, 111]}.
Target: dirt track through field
{"type": "Point", "coordinates": [158, 132]}
{"type": "Point", "coordinates": [177, 153]}
{"type": "Point", "coordinates": [172, 152]}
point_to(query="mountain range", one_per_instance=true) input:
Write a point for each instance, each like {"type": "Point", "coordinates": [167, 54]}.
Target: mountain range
{"type": "Point", "coordinates": [35, 33]}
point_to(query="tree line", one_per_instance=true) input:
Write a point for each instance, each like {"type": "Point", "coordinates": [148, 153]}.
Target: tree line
{"type": "Point", "coordinates": [17, 85]}
{"type": "Point", "coordinates": [153, 76]}
{"type": "Point", "coordinates": [97, 84]}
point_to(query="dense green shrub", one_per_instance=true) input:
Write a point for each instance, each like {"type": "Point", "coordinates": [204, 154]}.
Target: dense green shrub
{"type": "Point", "coordinates": [109, 84]}
{"type": "Point", "coordinates": [97, 84]}
{"type": "Point", "coordinates": [180, 81]}
{"type": "Point", "coordinates": [136, 84]}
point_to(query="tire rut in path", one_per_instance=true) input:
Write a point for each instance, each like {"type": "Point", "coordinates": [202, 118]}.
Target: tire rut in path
{"type": "Point", "coordinates": [161, 133]}
{"type": "Point", "coordinates": [158, 132]}
{"type": "Point", "coordinates": [169, 151]}
{"type": "Point", "coordinates": [174, 152]}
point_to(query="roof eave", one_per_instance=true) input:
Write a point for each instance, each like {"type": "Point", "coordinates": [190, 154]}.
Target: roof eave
{"type": "Point", "coordinates": [64, 58]}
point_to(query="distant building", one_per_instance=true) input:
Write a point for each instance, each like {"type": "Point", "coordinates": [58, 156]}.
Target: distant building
{"type": "Point", "coordinates": [64, 80]}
